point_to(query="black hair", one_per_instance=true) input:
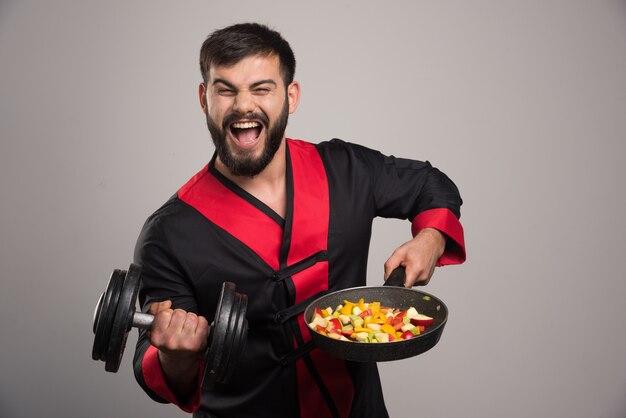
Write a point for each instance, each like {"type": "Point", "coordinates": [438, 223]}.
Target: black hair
{"type": "Point", "coordinates": [230, 45]}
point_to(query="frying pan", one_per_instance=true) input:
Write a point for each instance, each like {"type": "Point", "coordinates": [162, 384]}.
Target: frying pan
{"type": "Point", "coordinates": [393, 294]}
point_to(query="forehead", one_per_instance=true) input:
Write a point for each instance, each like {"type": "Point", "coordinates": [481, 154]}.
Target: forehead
{"type": "Point", "coordinates": [248, 70]}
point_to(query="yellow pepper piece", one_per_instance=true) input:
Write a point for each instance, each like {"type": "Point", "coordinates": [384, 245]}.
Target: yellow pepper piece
{"type": "Point", "coordinates": [388, 329]}
{"type": "Point", "coordinates": [375, 307]}
{"type": "Point", "coordinates": [362, 304]}
{"type": "Point", "coordinates": [360, 329]}
{"type": "Point", "coordinates": [347, 308]}
{"type": "Point", "coordinates": [381, 318]}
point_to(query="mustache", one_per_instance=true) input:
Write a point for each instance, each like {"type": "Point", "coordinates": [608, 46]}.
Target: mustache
{"type": "Point", "coordinates": [234, 117]}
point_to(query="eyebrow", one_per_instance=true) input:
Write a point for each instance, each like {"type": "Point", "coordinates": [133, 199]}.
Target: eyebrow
{"type": "Point", "coordinates": [261, 82]}
{"type": "Point", "coordinates": [253, 85]}
{"type": "Point", "coordinates": [227, 83]}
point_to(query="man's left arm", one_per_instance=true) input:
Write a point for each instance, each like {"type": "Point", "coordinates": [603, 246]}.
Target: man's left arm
{"type": "Point", "coordinates": [417, 191]}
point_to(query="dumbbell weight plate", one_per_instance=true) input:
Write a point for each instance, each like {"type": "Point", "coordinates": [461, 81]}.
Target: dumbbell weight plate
{"type": "Point", "coordinates": [104, 315]}
{"type": "Point", "coordinates": [123, 319]}
{"type": "Point", "coordinates": [236, 337]}
{"type": "Point", "coordinates": [216, 350]}
{"type": "Point", "coordinates": [228, 335]}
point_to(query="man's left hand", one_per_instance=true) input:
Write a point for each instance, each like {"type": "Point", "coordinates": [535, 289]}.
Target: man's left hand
{"type": "Point", "coordinates": [418, 256]}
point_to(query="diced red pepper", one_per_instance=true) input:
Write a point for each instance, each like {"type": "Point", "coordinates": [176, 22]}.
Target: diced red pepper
{"type": "Point", "coordinates": [367, 312]}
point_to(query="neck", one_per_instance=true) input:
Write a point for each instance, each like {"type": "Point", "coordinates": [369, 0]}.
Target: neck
{"type": "Point", "coordinates": [269, 186]}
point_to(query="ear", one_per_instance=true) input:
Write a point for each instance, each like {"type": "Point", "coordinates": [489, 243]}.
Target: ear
{"type": "Point", "coordinates": [293, 96]}
{"type": "Point", "coordinates": [202, 97]}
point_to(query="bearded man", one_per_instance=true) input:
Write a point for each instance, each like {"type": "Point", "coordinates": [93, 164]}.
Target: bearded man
{"type": "Point", "coordinates": [285, 220]}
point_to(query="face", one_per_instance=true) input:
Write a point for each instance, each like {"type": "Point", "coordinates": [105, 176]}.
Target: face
{"type": "Point", "coordinates": [247, 107]}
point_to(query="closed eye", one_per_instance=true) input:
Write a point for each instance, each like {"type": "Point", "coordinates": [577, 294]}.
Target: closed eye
{"type": "Point", "coordinates": [262, 91]}
{"type": "Point", "coordinates": [226, 92]}
{"type": "Point", "coordinates": [263, 87]}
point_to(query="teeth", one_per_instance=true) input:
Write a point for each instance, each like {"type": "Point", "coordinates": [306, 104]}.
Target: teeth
{"type": "Point", "coordinates": [245, 125]}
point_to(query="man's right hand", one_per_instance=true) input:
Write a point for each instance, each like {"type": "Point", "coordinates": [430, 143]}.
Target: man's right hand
{"type": "Point", "coordinates": [181, 338]}
{"type": "Point", "coordinates": [176, 332]}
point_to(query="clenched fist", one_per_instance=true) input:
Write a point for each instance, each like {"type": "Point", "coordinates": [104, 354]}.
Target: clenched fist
{"type": "Point", "coordinates": [181, 338]}
{"type": "Point", "coordinates": [176, 332]}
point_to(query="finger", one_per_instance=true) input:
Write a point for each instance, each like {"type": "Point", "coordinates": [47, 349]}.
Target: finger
{"type": "Point", "coordinates": [178, 321]}
{"type": "Point", "coordinates": [415, 272]}
{"type": "Point", "coordinates": [393, 262]}
{"type": "Point", "coordinates": [183, 332]}
{"type": "Point", "coordinates": [193, 335]}
{"type": "Point", "coordinates": [153, 308]}
{"type": "Point", "coordinates": [420, 276]}
{"type": "Point", "coordinates": [165, 305]}
{"type": "Point", "coordinates": [410, 278]}
{"type": "Point", "coordinates": [202, 330]}
{"type": "Point", "coordinates": [156, 307]}
{"type": "Point", "coordinates": [160, 327]}
{"type": "Point", "coordinates": [422, 281]}
{"type": "Point", "coordinates": [191, 323]}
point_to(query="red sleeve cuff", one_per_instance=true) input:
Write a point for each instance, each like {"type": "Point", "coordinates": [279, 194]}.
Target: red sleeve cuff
{"type": "Point", "coordinates": [445, 222]}
{"type": "Point", "coordinates": [155, 379]}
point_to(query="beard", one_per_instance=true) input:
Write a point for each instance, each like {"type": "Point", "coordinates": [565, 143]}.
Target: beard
{"type": "Point", "coordinates": [246, 164]}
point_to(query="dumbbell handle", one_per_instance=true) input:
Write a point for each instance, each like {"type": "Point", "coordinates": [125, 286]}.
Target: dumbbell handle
{"type": "Point", "coordinates": [142, 320]}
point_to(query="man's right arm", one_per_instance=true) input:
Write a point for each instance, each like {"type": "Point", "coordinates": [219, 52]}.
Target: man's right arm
{"type": "Point", "coordinates": [167, 359]}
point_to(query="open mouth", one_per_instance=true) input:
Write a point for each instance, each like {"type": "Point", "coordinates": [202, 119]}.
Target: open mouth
{"type": "Point", "coordinates": [247, 133]}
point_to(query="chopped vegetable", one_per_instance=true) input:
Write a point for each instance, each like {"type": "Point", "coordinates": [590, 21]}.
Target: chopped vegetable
{"type": "Point", "coordinates": [369, 322]}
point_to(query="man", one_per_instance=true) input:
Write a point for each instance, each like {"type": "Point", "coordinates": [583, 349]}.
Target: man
{"type": "Point", "coordinates": [285, 220]}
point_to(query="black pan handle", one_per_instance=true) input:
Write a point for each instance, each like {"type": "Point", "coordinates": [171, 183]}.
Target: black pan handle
{"type": "Point", "coordinates": [396, 278]}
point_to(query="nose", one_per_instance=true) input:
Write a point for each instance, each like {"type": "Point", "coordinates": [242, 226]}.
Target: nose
{"type": "Point", "coordinates": [244, 103]}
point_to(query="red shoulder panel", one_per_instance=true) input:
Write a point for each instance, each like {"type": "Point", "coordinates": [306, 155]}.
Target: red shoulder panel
{"type": "Point", "coordinates": [233, 214]}
{"type": "Point", "coordinates": [311, 208]}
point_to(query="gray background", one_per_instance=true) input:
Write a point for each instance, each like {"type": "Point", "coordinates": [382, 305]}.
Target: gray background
{"type": "Point", "coordinates": [523, 104]}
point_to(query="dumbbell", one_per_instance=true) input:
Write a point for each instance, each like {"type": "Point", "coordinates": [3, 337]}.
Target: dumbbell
{"type": "Point", "coordinates": [115, 316]}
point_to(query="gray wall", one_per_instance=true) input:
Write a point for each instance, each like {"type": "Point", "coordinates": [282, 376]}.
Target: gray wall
{"type": "Point", "coordinates": [523, 104]}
